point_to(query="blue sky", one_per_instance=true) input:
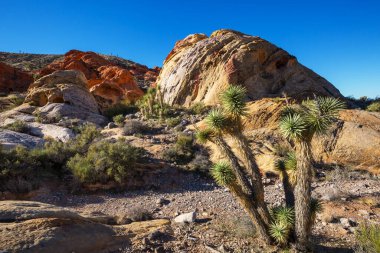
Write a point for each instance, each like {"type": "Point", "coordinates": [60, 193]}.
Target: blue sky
{"type": "Point", "coordinates": [340, 40]}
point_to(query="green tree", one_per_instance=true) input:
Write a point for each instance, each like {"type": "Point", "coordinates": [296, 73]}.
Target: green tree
{"type": "Point", "coordinates": [300, 124]}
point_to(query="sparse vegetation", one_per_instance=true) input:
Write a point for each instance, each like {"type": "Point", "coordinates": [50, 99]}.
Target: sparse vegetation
{"type": "Point", "coordinates": [182, 152]}
{"type": "Point", "coordinates": [105, 162]}
{"type": "Point", "coordinates": [119, 120]}
{"type": "Point", "coordinates": [368, 238]}
{"type": "Point", "coordinates": [135, 127]}
{"type": "Point", "coordinates": [374, 107]}
{"type": "Point", "coordinates": [172, 122]}
{"type": "Point", "coordinates": [122, 108]}
{"type": "Point", "coordinates": [18, 126]}
{"type": "Point", "coordinates": [198, 108]}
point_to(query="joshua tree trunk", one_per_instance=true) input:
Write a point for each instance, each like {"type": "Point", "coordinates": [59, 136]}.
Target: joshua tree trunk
{"type": "Point", "coordinates": [288, 190]}
{"type": "Point", "coordinates": [303, 194]}
{"type": "Point", "coordinates": [250, 208]}
{"type": "Point", "coordinates": [243, 190]}
{"type": "Point", "coordinates": [238, 171]}
{"type": "Point", "coordinates": [257, 183]}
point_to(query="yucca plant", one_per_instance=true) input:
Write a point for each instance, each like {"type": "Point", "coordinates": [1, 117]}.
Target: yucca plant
{"type": "Point", "coordinates": [280, 232]}
{"type": "Point", "coordinates": [235, 108]}
{"type": "Point", "coordinates": [300, 124]}
{"type": "Point", "coordinates": [282, 225]}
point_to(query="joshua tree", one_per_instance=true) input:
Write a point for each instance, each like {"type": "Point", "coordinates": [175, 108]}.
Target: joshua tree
{"type": "Point", "coordinates": [300, 124]}
{"type": "Point", "coordinates": [248, 187]}
{"type": "Point", "coordinates": [234, 106]}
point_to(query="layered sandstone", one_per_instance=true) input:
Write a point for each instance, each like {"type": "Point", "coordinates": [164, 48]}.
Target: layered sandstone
{"type": "Point", "coordinates": [200, 67]}
{"type": "Point", "coordinates": [108, 82]}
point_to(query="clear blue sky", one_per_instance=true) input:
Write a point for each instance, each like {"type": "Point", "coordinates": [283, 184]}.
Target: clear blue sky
{"type": "Point", "coordinates": [340, 40]}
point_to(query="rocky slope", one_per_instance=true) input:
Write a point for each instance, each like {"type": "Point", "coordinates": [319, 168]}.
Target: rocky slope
{"type": "Point", "coordinates": [200, 67]}
{"type": "Point", "coordinates": [13, 79]}
{"type": "Point", "coordinates": [111, 75]}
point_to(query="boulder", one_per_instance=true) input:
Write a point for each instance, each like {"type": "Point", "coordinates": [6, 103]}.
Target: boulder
{"type": "Point", "coordinates": [13, 79]}
{"type": "Point", "coordinates": [10, 139]}
{"type": "Point", "coordinates": [200, 67]}
{"type": "Point", "coordinates": [64, 86]}
{"type": "Point", "coordinates": [56, 111]}
{"type": "Point", "coordinates": [27, 226]}
{"type": "Point", "coordinates": [51, 131]}
{"type": "Point", "coordinates": [185, 218]}
{"type": "Point", "coordinates": [108, 82]}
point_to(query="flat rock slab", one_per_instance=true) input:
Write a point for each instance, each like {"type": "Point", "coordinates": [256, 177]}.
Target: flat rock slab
{"type": "Point", "coordinates": [11, 139]}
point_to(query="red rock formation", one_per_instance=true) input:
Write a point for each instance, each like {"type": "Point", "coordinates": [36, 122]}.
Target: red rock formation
{"type": "Point", "coordinates": [12, 79]}
{"type": "Point", "coordinates": [107, 81]}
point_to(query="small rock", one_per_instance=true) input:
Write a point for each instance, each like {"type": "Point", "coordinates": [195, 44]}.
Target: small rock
{"type": "Point", "coordinates": [363, 212]}
{"type": "Point", "coordinates": [345, 222]}
{"type": "Point", "coordinates": [186, 217]}
{"type": "Point", "coordinates": [111, 125]}
{"type": "Point", "coordinates": [145, 241]}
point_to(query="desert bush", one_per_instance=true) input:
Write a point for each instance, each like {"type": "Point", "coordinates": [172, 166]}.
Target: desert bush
{"type": "Point", "coordinates": [123, 108]}
{"type": "Point", "coordinates": [198, 108]}
{"type": "Point", "coordinates": [139, 214]}
{"type": "Point", "coordinates": [105, 162]}
{"type": "Point", "coordinates": [182, 152]}
{"type": "Point", "coordinates": [368, 238]}
{"type": "Point", "coordinates": [135, 127]}
{"type": "Point", "coordinates": [374, 107]}
{"type": "Point", "coordinates": [172, 122]}
{"type": "Point", "coordinates": [26, 168]}
{"type": "Point", "coordinates": [237, 226]}
{"type": "Point", "coordinates": [118, 119]}
{"type": "Point", "coordinates": [201, 163]}
{"type": "Point", "coordinates": [18, 126]}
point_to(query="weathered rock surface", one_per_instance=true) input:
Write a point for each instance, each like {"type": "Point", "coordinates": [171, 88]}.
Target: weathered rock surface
{"type": "Point", "coordinates": [27, 226]}
{"type": "Point", "coordinates": [13, 79]}
{"type": "Point", "coordinates": [68, 87]}
{"type": "Point", "coordinates": [11, 139]}
{"type": "Point", "coordinates": [200, 67]}
{"type": "Point", "coordinates": [108, 82]}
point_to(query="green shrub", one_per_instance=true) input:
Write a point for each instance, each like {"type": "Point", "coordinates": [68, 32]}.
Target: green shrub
{"type": "Point", "coordinates": [172, 122]}
{"type": "Point", "coordinates": [198, 108]}
{"type": "Point", "coordinates": [105, 162]}
{"type": "Point", "coordinates": [21, 170]}
{"type": "Point", "coordinates": [135, 127]}
{"type": "Point", "coordinates": [123, 107]}
{"type": "Point", "coordinates": [182, 152]}
{"type": "Point", "coordinates": [374, 107]}
{"type": "Point", "coordinates": [119, 119]}
{"type": "Point", "coordinates": [18, 126]}
{"type": "Point", "coordinates": [368, 238]}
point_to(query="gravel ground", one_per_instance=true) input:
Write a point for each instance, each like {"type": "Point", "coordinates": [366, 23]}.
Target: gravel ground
{"type": "Point", "coordinates": [358, 199]}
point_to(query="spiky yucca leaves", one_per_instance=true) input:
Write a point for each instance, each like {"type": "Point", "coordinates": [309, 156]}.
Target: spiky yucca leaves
{"type": "Point", "coordinates": [287, 164]}
{"type": "Point", "coordinates": [283, 223]}
{"type": "Point", "coordinates": [233, 101]}
{"type": "Point", "coordinates": [204, 135]}
{"type": "Point", "coordinates": [222, 173]}
{"type": "Point", "coordinates": [217, 120]}
{"type": "Point", "coordinates": [279, 232]}
{"type": "Point", "coordinates": [284, 215]}
{"type": "Point", "coordinates": [321, 112]}
{"type": "Point", "coordinates": [316, 206]}
{"type": "Point", "coordinates": [290, 163]}
{"type": "Point", "coordinates": [313, 116]}
{"type": "Point", "coordinates": [293, 126]}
